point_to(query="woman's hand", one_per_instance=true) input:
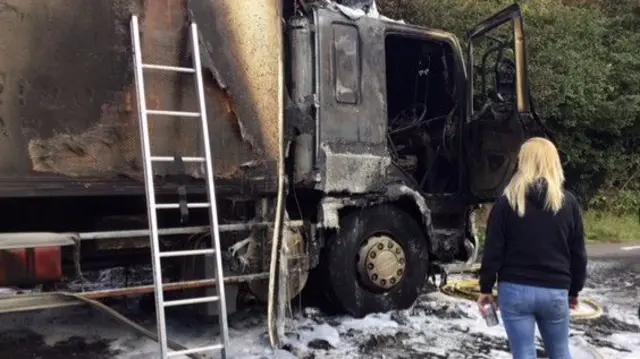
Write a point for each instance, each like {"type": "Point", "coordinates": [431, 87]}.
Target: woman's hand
{"type": "Point", "coordinates": [573, 302]}
{"type": "Point", "coordinates": [485, 299]}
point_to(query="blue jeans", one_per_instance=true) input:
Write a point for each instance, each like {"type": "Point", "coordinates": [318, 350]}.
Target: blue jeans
{"type": "Point", "coordinates": [522, 306]}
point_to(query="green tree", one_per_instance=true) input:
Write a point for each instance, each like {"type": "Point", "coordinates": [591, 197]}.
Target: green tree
{"type": "Point", "coordinates": [585, 77]}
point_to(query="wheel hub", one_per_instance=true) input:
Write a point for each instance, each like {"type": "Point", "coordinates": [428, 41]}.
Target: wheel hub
{"type": "Point", "coordinates": [381, 262]}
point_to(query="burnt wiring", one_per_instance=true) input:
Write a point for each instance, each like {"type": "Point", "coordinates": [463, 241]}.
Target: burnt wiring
{"type": "Point", "coordinates": [409, 118]}
{"type": "Point", "coordinates": [449, 132]}
{"type": "Point", "coordinates": [450, 86]}
{"type": "Point", "coordinates": [423, 71]}
{"type": "Point", "coordinates": [413, 117]}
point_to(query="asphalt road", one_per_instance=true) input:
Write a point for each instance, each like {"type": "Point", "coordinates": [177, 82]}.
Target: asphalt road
{"type": "Point", "coordinates": [80, 333]}
{"type": "Point", "coordinates": [614, 250]}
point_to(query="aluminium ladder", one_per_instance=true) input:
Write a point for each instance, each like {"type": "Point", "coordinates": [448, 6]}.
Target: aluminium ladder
{"type": "Point", "coordinates": [152, 206]}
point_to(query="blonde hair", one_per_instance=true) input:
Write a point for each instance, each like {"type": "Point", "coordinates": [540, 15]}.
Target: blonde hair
{"type": "Point", "coordinates": [538, 160]}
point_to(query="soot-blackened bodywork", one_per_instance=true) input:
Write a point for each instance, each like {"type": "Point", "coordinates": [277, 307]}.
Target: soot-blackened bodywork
{"type": "Point", "coordinates": [351, 138]}
{"type": "Point", "coordinates": [352, 156]}
{"type": "Point", "coordinates": [68, 109]}
{"type": "Point", "coordinates": [352, 161]}
{"type": "Point", "coordinates": [352, 120]}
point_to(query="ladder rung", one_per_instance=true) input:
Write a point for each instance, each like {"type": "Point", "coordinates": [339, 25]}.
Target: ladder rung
{"type": "Point", "coordinates": [177, 205]}
{"type": "Point", "coordinates": [184, 253]}
{"type": "Point", "coordinates": [175, 303]}
{"type": "Point", "coordinates": [195, 350]}
{"type": "Point", "coordinates": [173, 113]}
{"type": "Point", "coordinates": [188, 70]}
{"type": "Point", "coordinates": [171, 159]}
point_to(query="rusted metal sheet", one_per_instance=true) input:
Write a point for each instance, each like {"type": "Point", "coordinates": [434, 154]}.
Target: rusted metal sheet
{"type": "Point", "coordinates": [67, 102]}
{"type": "Point", "coordinates": [30, 266]}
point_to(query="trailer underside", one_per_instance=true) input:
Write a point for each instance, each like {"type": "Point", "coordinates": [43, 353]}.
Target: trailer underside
{"type": "Point", "coordinates": [50, 185]}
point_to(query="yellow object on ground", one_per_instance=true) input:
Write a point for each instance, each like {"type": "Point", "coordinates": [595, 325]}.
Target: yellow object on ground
{"type": "Point", "coordinates": [470, 289]}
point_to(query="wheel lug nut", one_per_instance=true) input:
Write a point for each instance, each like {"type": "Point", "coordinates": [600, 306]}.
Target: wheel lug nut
{"type": "Point", "coordinates": [401, 260]}
{"type": "Point", "coordinates": [393, 281]}
{"type": "Point", "coordinates": [400, 272]}
{"type": "Point", "coordinates": [380, 246]}
{"type": "Point", "coordinates": [398, 251]}
{"type": "Point", "coordinates": [374, 277]}
{"type": "Point", "coordinates": [372, 255]}
{"type": "Point", "coordinates": [390, 245]}
{"type": "Point", "coordinates": [383, 282]}
{"type": "Point", "coordinates": [370, 266]}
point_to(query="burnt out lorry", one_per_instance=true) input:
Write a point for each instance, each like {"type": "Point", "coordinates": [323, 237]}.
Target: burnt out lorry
{"type": "Point", "coordinates": [393, 133]}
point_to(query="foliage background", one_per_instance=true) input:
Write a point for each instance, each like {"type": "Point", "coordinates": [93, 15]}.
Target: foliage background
{"type": "Point", "coordinates": [584, 58]}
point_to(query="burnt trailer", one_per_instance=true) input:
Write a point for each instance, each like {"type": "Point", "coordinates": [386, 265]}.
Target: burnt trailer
{"type": "Point", "coordinates": [394, 133]}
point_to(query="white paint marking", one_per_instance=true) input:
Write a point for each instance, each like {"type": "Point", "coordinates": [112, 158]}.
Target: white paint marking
{"type": "Point", "coordinates": [631, 248]}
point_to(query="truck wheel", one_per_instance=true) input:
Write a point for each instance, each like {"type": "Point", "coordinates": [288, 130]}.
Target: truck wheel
{"type": "Point", "coordinates": [378, 261]}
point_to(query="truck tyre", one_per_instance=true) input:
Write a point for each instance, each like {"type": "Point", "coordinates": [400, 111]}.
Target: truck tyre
{"type": "Point", "coordinates": [376, 262]}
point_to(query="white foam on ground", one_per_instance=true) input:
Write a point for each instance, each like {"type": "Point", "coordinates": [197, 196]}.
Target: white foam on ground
{"type": "Point", "coordinates": [422, 333]}
{"type": "Point", "coordinates": [437, 324]}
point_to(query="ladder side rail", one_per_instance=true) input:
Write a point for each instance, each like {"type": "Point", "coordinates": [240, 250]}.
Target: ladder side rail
{"type": "Point", "coordinates": [143, 124]}
{"type": "Point", "coordinates": [213, 210]}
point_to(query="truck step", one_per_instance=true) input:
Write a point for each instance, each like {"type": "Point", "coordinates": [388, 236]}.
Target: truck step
{"type": "Point", "coordinates": [171, 159]}
{"type": "Point", "coordinates": [179, 302]}
{"type": "Point", "coordinates": [196, 350]}
{"type": "Point", "coordinates": [173, 113]}
{"type": "Point", "coordinates": [187, 70]}
{"type": "Point", "coordinates": [185, 253]}
{"type": "Point", "coordinates": [177, 205]}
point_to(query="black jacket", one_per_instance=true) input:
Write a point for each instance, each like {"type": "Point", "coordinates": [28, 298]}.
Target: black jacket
{"type": "Point", "coordinates": [539, 249]}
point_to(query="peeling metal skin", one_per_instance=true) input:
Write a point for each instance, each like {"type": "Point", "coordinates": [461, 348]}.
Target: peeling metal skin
{"type": "Point", "coordinates": [243, 39]}
{"type": "Point", "coordinates": [67, 101]}
{"type": "Point", "coordinates": [56, 72]}
{"type": "Point", "coordinates": [396, 191]}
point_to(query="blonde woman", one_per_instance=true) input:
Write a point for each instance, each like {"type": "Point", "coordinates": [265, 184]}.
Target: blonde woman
{"type": "Point", "coordinates": [535, 249]}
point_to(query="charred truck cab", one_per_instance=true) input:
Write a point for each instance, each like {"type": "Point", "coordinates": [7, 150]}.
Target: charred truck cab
{"type": "Point", "coordinates": [394, 134]}
{"type": "Point", "coordinates": [402, 139]}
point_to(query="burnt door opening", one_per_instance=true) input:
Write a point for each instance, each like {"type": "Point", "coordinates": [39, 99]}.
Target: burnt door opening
{"type": "Point", "coordinates": [500, 113]}
{"type": "Point", "coordinates": [422, 112]}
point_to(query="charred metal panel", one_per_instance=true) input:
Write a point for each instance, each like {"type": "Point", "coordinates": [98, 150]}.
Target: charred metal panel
{"type": "Point", "coordinates": [59, 64]}
{"type": "Point", "coordinates": [301, 62]}
{"type": "Point", "coordinates": [243, 39]}
{"type": "Point", "coordinates": [67, 102]}
{"type": "Point", "coordinates": [347, 63]}
{"type": "Point", "coordinates": [352, 122]}
{"type": "Point", "coordinates": [301, 82]}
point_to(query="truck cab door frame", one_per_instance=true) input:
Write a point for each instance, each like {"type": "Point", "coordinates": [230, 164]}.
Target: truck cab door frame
{"type": "Point", "coordinates": [495, 131]}
{"type": "Point", "coordinates": [511, 14]}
